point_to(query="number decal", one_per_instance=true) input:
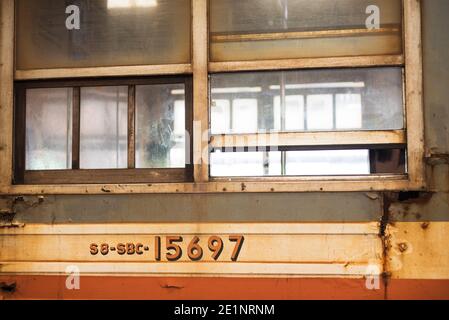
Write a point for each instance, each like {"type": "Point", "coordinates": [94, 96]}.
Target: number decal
{"type": "Point", "coordinates": [104, 249]}
{"type": "Point", "coordinates": [157, 248]}
{"type": "Point", "coordinates": [174, 246]}
{"type": "Point", "coordinates": [194, 250]}
{"type": "Point", "coordinates": [238, 246]}
{"type": "Point", "coordinates": [170, 245]}
{"type": "Point", "coordinates": [216, 246]}
{"type": "Point", "coordinates": [94, 249]}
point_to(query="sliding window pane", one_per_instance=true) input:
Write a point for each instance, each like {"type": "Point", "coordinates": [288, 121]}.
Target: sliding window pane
{"type": "Point", "coordinates": [277, 162]}
{"type": "Point", "coordinates": [320, 112]}
{"type": "Point", "coordinates": [220, 116]}
{"type": "Point", "coordinates": [110, 33]}
{"type": "Point", "coordinates": [327, 162]}
{"type": "Point", "coordinates": [307, 100]}
{"type": "Point", "coordinates": [160, 126]}
{"type": "Point", "coordinates": [104, 128]}
{"type": "Point", "coordinates": [245, 164]}
{"type": "Point", "coordinates": [348, 111]}
{"type": "Point", "coordinates": [49, 129]}
{"type": "Point", "coordinates": [293, 118]}
{"type": "Point", "coordinates": [244, 115]}
{"type": "Point", "coordinates": [278, 29]}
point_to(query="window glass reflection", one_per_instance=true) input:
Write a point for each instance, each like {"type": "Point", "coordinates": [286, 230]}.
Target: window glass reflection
{"type": "Point", "coordinates": [307, 100]}
{"type": "Point", "coordinates": [160, 126]}
{"type": "Point", "coordinates": [49, 129]}
{"type": "Point", "coordinates": [275, 162]}
{"type": "Point", "coordinates": [104, 128]}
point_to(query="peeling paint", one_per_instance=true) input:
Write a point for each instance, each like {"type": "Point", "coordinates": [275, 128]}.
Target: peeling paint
{"type": "Point", "coordinates": [372, 195]}
{"type": "Point", "coordinates": [435, 157]}
{"type": "Point", "coordinates": [8, 287]}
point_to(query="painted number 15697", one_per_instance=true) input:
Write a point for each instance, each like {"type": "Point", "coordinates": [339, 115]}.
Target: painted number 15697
{"type": "Point", "coordinates": [174, 247]}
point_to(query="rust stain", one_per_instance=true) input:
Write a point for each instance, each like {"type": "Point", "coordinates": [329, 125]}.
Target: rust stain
{"type": "Point", "coordinates": [425, 225]}
{"type": "Point", "coordinates": [435, 157]}
{"type": "Point", "coordinates": [405, 204]}
{"type": "Point", "coordinates": [171, 286]}
{"type": "Point", "coordinates": [385, 238]}
{"type": "Point", "coordinates": [8, 286]}
{"type": "Point", "coordinates": [31, 202]}
{"type": "Point", "coordinates": [402, 247]}
{"type": "Point", "coordinates": [105, 190]}
{"type": "Point", "coordinates": [372, 195]}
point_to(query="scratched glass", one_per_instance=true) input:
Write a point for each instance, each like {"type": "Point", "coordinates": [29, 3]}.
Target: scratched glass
{"type": "Point", "coordinates": [104, 128]}
{"type": "Point", "coordinates": [307, 100]}
{"type": "Point", "coordinates": [112, 33]}
{"type": "Point", "coordinates": [279, 29]}
{"type": "Point", "coordinates": [48, 129]}
{"type": "Point", "coordinates": [160, 126]}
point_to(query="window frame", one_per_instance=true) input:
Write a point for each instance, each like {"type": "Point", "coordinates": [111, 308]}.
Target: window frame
{"type": "Point", "coordinates": [75, 175]}
{"type": "Point", "coordinates": [200, 67]}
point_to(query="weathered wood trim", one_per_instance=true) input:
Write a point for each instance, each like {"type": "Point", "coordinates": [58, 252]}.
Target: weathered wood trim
{"type": "Point", "coordinates": [307, 63]}
{"type": "Point", "coordinates": [316, 34]}
{"type": "Point", "coordinates": [200, 90]}
{"type": "Point", "coordinates": [414, 92]}
{"type": "Point", "coordinates": [106, 176]}
{"type": "Point", "coordinates": [40, 74]}
{"type": "Point", "coordinates": [338, 184]}
{"type": "Point", "coordinates": [6, 90]}
{"type": "Point", "coordinates": [309, 139]}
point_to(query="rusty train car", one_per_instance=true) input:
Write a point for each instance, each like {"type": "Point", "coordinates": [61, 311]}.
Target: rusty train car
{"type": "Point", "coordinates": [224, 149]}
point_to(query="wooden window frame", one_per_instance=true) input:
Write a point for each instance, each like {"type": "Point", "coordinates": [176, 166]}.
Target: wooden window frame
{"type": "Point", "coordinates": [75, 175]}
{"type": "Point", "coordinates": [200, 67]}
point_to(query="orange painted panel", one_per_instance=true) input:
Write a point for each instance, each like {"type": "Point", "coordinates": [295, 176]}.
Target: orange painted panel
{"type": "Point", "coordinates": [405, 289]}
{"type": "Point", "coordinates": [103, 287]}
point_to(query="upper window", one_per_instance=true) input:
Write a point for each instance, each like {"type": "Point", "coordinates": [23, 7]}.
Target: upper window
{"type": "Point", "coordinates": [279, 29]}
{"type": "Point", "coordinates": [102, 33]}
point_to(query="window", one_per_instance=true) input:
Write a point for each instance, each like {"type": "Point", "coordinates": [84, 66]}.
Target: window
{"type": "Point", "coordinates": [313, 118]}
{"type": "Point", "coordinates": [110, 33]}
{"type": "Point", "coordinates": [104, 131]}
{"type": "Point", "coordinates": [166, 96]}
{"type": "Point", "coordinates": [272, 29]}
{"type": "Point", "coordinates": [277, 103]}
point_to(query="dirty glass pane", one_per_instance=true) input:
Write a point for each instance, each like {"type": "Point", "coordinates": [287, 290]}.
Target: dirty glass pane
{"type": "Point", "coordinates": [307, 100]}
{"type": "Point", "coordinates": [104, 128]}
{"type": "Point", "coordinates": [48, 129]}
{"type": "Point", "coordinates": [276, 162]}
{"type": "Point", "coordinates": [348, 109]}
{"type": "Point", "coordinates": [327, 162]}
{"type": "Point", "coordinates": [245, 164]}
{"type": "Point", "coordinates": [220, 116]}
{"type": "Point", "coordinates": [160, 126]}
{"type": "Point", "coordinates": [276, 29]}
{"type": "Point", "coordinates": [320, 112]}
{"type": "Point", "coordinates": [111, 33]}
{"type": "Point", "coordinates": [293, 118]}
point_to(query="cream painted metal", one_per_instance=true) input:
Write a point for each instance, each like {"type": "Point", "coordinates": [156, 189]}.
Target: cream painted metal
{"type": "Point", "coordinates": [294, 249]}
